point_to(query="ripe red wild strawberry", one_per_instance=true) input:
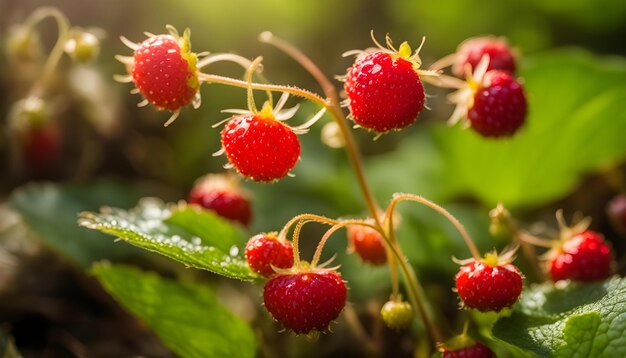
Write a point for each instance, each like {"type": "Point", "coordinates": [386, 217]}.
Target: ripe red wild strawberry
{"type": "Point", "coordinates": [40, 145]}
{"type": "Point", "coordinates": [38, 136]}
{"type": "Point", "coordinates": [260, 147]}
{"type": "Point", "coordinates": [305, 301]}
{"type": "Point", "coordinates": [472, 51]}
{"type": "Point", "coordinates": [490, 284]}
{"type": "Point", "coordinates": [222, 194]}
{"type": "Point", "coordinates": [499, 107]}
{"type": "Point", "coordinates": [464, 346]}
{"type": "Point", "coordinates": [584, 257]}
{"type": "Point", "coordinates": [384, 89]}
{"type": "Point", "coordinates": [368, 244]}
{"type": "Point", "coordinates": [265, 250]}
{"type": "Point", "coordinates": [164, 71]}
{"type": "Point", "coordinates": [477, 350]}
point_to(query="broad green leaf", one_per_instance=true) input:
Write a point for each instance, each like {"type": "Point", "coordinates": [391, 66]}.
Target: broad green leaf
{"type": "Point", "coordinates": [576, 124]}
{"type": "Point", "coordinates": [188, 235]}
{"type": "Point", "coordinates": [187, 317]}
{"type": "Point", "coordinates": [50, 211]}
{"type": "Point", "coordinates": [577, 321]}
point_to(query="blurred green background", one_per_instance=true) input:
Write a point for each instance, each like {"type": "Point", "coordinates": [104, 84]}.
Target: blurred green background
{"type": "Point", "coordinates": [570, 154]}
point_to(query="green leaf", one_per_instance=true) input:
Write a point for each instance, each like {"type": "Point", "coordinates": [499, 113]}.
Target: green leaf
{"type": "Point", "coordinates": [187, 318]}
{"type": "Point", "coordinates": [50, 210]}
{"type": "Point", "coordinates": [188, 235]}
{"type": "Point", "coordinates": [576, 124]}
{"type": "Point", "coordinates": [577, 321]}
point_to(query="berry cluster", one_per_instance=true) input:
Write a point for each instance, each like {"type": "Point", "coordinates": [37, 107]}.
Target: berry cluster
{"type": "Point", "coordinates": [385, 92]}
{"type": "Point", "coordinates": [492, 100]}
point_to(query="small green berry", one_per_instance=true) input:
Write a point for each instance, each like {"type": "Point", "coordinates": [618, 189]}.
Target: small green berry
{"type": "Point", "coordinates": [23, 44]}
{"type": "Point", "coordinates": [397, 314]}
{"type": "Point", "coordinates": [82, 46]}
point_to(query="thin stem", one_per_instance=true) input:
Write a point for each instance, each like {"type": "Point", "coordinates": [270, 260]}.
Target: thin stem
{"type": "Point", "coordinates": [533, 240]}
{"type": "Point", "coordinates": [416, 293]}
{"type": "Point", "coordinates": [301, 219]}
{"type": "Point", "coordinates": [393, 264]}
{"type": "Point", "coordinates": [311, 217]}
{"type": "Point", "coordinates": [332, 104]}
{"type": "Point", "coordinates": [249, 72]}
{"type": "Point", "coordinates": [415, 290]}
{"type": "Point", "coordinates": [57, 51]}
{"type": "Point", "coordinates": [329, 232]}
{"type": "Point", "coordinates": [525, 240]}
{"type": "Point", "coordinates": [295, 240]}
{"type": "Point", "coordinates": [460, 228]}
{"type": "Point", "coordinates": [327, 87]}
{"type": "Point", "coordinates": [210, 78]}
{"type": "Point", "coordinates": [335, 110]}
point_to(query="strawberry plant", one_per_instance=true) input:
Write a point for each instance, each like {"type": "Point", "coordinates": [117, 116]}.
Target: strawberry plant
{"type": "Point", "coordinates": [353, 221]}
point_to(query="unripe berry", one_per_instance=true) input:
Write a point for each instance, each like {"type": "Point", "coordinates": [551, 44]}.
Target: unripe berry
{"type": "Point", "coordinates": [23, 44]}
{"type": "Point", "coordinates": [82, 46]}
{"type": "Point", "coordinates": [397, 314]}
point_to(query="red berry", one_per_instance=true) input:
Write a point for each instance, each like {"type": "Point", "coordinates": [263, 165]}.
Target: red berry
{"type": "Point", "coordinates": [260, 147]}
{"type": "Point", "coordinates": [499, 106]}
{"type": "Point", "coordinates": [265, 250]}
{"type": "Point", "coordinates": [385, 92]}
{"type": "Point", "coordinates": [584, 257]}
{"type": "Point", "coordinates": [40, 145]}
{"type": "Point", "coordinates": [305, 301]}
{"type": "Point", "coordinates": [478, 350]}
{"type": "Point", "coordinates": [368, 244]}
{"type": "Point", "coordinates": [222, 194]}
{"type": "Point", "coordinates": [488, 287]}
{"type": "Point", "coordinates": [164, 73]}
{"type": "Point", "coordinates": [472, 51]}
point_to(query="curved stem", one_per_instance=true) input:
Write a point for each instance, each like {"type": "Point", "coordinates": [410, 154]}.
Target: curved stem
{"type": "Point", "coordinates": [525, 240]}
{"type": "Point", "coordinates": [329, 232]}
{"type": "Point", "coordinates": [301, 219]}
{"type": "Point", "coordinates": [327, 87]}
{"type": "Point", "coordinates": [210, 78]}
{"type": "Point", "coordinates": [412, 197]}
{"type": "Point", "coordinates": [332, 105]}
{"type": "Point", "coordinates": [57, 51]}
{"type": "Point", "coordinates": [415, 291]}
{"type": "Point", "coordinates": [296, 243]}
{"type": "Point", "coordinates": [311, 217]}
{"type": "Point", "coordinates": [249, 72]}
